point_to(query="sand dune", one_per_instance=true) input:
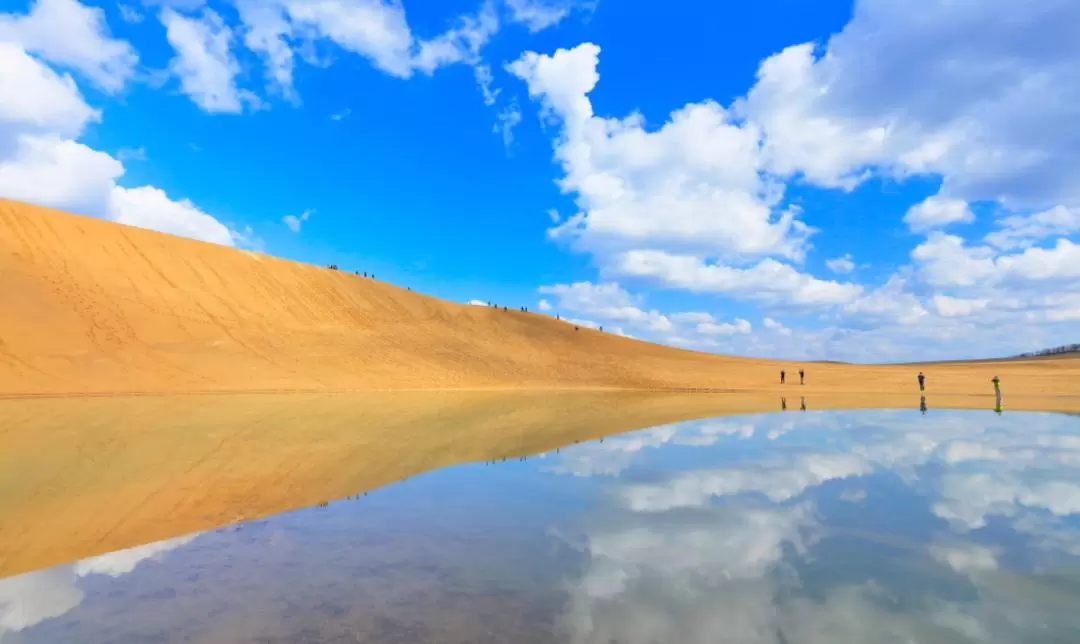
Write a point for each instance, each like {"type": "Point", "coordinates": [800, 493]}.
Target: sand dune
{"type": "Point", "coordinates": [93, 307]}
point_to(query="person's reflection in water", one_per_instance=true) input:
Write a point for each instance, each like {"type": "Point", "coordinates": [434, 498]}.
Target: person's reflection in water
{"type": "Point", "coordinates": [922, 404]}
{"type": "Point", "coordinates": [802, 403]}
{"type": "Point", "coordinates": [783, 403]}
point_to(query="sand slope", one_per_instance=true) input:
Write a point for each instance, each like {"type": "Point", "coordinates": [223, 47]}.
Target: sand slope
{"type": "Point", "coordinates": [89, 306]}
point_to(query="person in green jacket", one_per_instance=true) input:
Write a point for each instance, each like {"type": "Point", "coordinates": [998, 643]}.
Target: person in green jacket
{"type": "Point", "coordinates": [997, 393]}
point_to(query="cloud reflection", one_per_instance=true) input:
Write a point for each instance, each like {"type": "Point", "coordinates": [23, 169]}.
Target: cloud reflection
{"type": "Point", "coordinates": [741, 552]}
{"type": "Point", "coordinates": [31, 598]}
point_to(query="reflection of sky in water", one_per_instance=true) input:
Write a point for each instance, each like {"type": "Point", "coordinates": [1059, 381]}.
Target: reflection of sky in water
{"type": "Point", "coordinates": [867, 526]}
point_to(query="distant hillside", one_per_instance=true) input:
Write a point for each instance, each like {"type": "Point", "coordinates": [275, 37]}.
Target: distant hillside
{"type": "Point", "coordinates": [1067, 348]}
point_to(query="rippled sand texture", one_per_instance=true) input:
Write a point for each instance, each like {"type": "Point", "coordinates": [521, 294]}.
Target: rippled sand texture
{"type": "Point", "coordinates": [89, 306]}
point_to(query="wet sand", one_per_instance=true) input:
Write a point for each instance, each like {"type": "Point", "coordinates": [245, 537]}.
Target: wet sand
{"type": "Point", "coordinates": [86, 476]}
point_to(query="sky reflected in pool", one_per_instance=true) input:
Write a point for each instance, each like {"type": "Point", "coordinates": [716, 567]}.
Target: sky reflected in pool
{"type": "Point", "coordinates": [815, 527]}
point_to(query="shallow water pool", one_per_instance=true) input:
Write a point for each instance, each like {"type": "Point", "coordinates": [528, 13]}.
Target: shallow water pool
{"type": "Point", "coordinates": [856, 526]}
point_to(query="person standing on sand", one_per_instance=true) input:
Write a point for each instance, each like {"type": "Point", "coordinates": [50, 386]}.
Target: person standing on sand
{"type": "Point", "coordinates": [782, 376]}
{"type": "Point", "coordinates": [922, 382]}
{"type": "Point", "coordinates": [783, 403]}
{"type": "Point", "coordinates": [802, 403]}
{"type": "Point", "coordinates": [997, 393]}
{"type": "Point", "coordinates": [802, 377]}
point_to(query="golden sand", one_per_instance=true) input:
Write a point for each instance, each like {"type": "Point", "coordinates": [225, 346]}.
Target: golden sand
{"type": "Point", "coordinates": [93, 307]}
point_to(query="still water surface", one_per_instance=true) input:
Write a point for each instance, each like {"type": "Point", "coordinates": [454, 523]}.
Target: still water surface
{"type": "Point", "coordinates": [803, 527]}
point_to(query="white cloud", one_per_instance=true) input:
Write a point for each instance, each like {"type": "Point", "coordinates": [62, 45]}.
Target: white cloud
{"type": "Point", "coordinates": [41, 116]}
{"type": "Point", "coordinates": [701, 162]}
{"type": "Point", "coordinates": [890, 302]}
{"type": "Point", "coordinates": [461, 43]}
{"type": "Point", "coordinates": [72, 35]}
{"type": "Point", "coordinates": [953, 89]}
{"type": "Point", "coordinates": [59, 173]}
{"type": "Point", "coordinates": [131, 154]}
{"type": "Point", "coordinates": [150, 207]}
{"type": "Point", "coordinates": [204, 62]}
{"type": "Point", "coordinates": [773, 325]}
{"type": "Point", "coordinates": [266, 31]}
{"type": "Point", "coordinates": [477, 303]}
{"type": "Point", "coordinates": [296, 222]}
{"type": "Point", "coordinates": [506, 121]}
{"type": "Point", "coordinates": [937, 212]}
{"type": "Point", "coordinates": [538, 15]}
{"type": "Point", "coordinates": [954, 93]}
{"type": "Point", "coordinates": [544, 305]}
{"type": "Point", "coordinates": [129, 14]}
{"type": "Point", "coordinates": [768, 280]}
{"type": "Point", "coordinates": [1020, 231]}
{"type": "Point", "coordinates": [375, 29]}
{"type": "Point", "coordinates": [484, 80]}
{"type": "Point", "coordinates": [606, 301]}
{"type": "Point", "coordinates": [693, 317]}
{"type": "Point", "coordinates": [946, 261]}
{"type": "Point", "coordinates": [711, 328]}
{"type": "Point", "coordinates": [341, 116]}
{"type": "Point", "coordinates": [841, 265]}
{"type": "Point", "coordinates": [952, 307]}
{"type": "Point", "coordinates": [37, 100]}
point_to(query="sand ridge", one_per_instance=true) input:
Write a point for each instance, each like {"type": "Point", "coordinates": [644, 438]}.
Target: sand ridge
{"type": "Point", "coordinates": [94, 307]}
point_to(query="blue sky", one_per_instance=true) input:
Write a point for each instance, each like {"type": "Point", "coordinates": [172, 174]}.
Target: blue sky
{"type": "Point", "coordinates": [842, 180]}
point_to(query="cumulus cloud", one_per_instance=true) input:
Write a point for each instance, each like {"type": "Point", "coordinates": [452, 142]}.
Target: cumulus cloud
{"type": "Point", "coordinates": [773, 325]}
{"type": "Point", "coordinates": [700, 169]}
{"type": "Point", "coordinates": [841, 265]}
{"type": "Point", "coordinates": [946, 261]}
{"type": "Point", "coordinates": [711, 328]}
{"type": "Point", "coordinates": [150, 207]}
{"type": "Point", "coordinates": [38, 100]}
{"type": "Point", "coordinates": [979, 97]}
{"type": "Point", "coordinates": [506, 121]}
{"type": "Point", "coordinates": [42, 114]}
{"type": "Point", "coordinates": [538, 15]}
{"type": "Point", "coordinates": [985, 100]}
{"type": "Point", "coordinates": [768, 280]}
{"type": "Point", "coordinates": [73, 36]}
{"type": "Point", "coordinates": [296, 222]}
{"type": "Point", "coordinates": [607, 301]}
{"type": "Point", "coordinates": [1023, 231]}
{"type": "Point", "coordinates": [937, 212]}
{"type": "Point", "coordinates": [60, 173]}
{"type": "Point", "coordinates": [204, 62]}
{"type": "Point", "coordinates": [374, 29]}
